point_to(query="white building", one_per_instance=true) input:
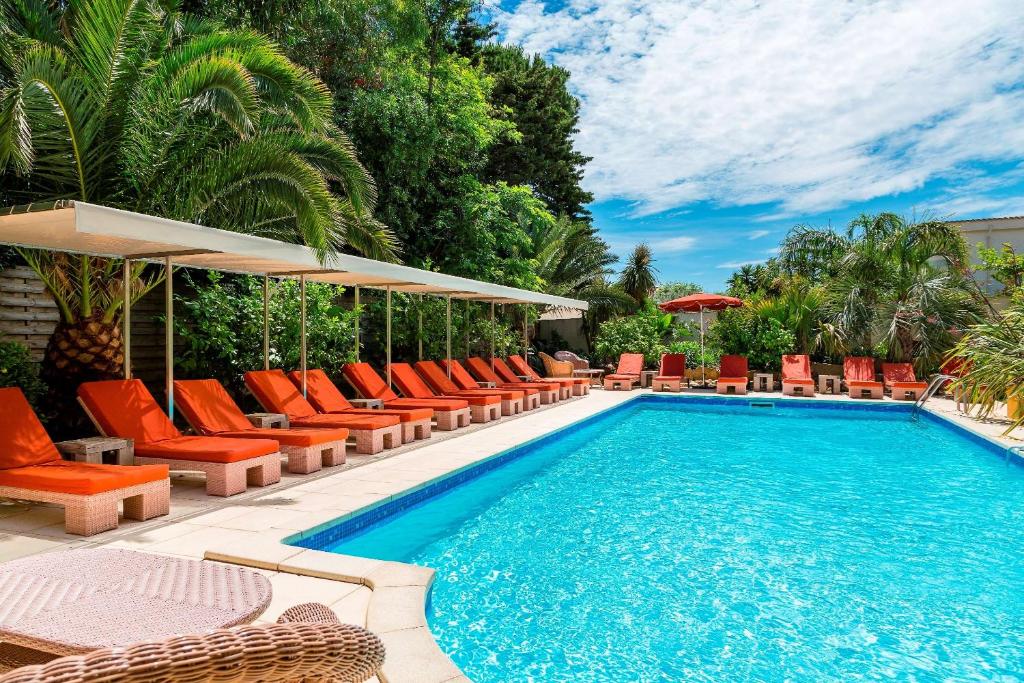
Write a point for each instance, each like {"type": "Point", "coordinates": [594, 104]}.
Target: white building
{"type": "Point", "coordinates": [992, 233]}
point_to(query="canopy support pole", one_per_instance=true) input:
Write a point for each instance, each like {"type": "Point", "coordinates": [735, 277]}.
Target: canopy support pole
{"type": "Point", "coordinates": [266, 322]}
{"type": "Point", "coordinates": [448, 334]}
{"type": "Point", "coordinates": [419, 326]}
{"type": "Point", "coordinates": [467, 328]}
{"type": "Point", "coordinates": [126, 320]}
{"type": "Point", "coordinates": [387, 333]}
{"type": "Point", "coordinates": [169, 335]}
{"type": "Point", "coordinates": [492, 336]}
{"type": "Point", "coordinates": [358, 314]}
{"type": "Point", "coordinates": [526, 332]}
{"type": "Point", "coordinates": [302, 331]}
{"type": "Point", "coordinates": [703, 379]}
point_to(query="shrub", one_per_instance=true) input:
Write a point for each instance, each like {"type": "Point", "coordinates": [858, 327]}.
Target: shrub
{"type": "Point", "coordinates": [17, 369]}
{"type": "Point", "coordinates": [694, 359]}
{"type": "Point", "coordinates": [641, 333]}
{"type": "Point", "coordinates": [763, 340]}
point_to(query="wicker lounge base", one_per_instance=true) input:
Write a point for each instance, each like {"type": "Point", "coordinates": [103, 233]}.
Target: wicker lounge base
{"type": "Point", "coordinates": [611, 384]}
{"type": "Point", "coordinates": [227, 479]}
{"type": "Point", "coordinates": [485, 413]}
{"type": "Point", "coordinates": [418, 429]}
{"type": "Point", "coordinates": [511, 406]}
{"type": "Point", "coordinates": [306, 459]}
{"type": "Point", "coordinates": [373, 441]}
{"type": "Point", "coordinates": [664, 384]}
{"type": "Point", "coordinates": [449, 420]}
{"type": "Point", "coordinates": [306, 644]}
{"type": "Point", "coordinates": [86, 515]}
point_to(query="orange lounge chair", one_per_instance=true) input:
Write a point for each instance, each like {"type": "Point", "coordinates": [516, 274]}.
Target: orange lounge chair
{"type": "Point", "coordinates": [550, 392]}
{"type": "Point", "coordinates": [796, 376]}
{"type": "Point", "coordinates": [859, 373]}
{"type": "Point", "coordinates": [210, 410]}
{"type": "Point", "coordinates": [276, 393]}
{"type": "Point", "coordinates": [125, 408]}
{"type": "Point", "coordinates": [732, 375]}
{"type": "Point", "coordinates": [434, 375]}
{"type": "Point", "coordinates": [627, 374]}
{"type": "Point", "coordinates": [32, 469]}
{"type": "Point", "coordinates": [463, 380]}
{"type": "Point", "coordinates": [449, 413]}
{"type": "Point", "coordinates": [901, 381]}
{"type": "Point", "coordinates": [327, 398]}
{"type": "Point", "coordinates": [482, 408]}
{"type": "Point", "coordinates": [580, 386]}
{"type": "Point", "coordinates": [671, 372]}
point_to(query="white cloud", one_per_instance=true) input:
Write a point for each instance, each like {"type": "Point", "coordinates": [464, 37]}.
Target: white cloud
{"type": "Point", "coordinates": [758, 234]}
{"type": "Point", "coordinates": [809, 103]}
{"type": "Point", "coordinates": [733, 265]}
{"type": "Point", "coordinates": [673, 245]}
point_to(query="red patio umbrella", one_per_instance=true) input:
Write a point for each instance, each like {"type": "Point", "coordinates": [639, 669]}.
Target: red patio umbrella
{"type": "Point", "coordinates": [701, 302]}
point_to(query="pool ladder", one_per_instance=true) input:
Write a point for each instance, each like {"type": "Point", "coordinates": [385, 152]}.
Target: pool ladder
{"type": "Point", "coordinates": [938, 381]}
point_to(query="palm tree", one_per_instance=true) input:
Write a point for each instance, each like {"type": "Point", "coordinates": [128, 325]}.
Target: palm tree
{"type": "Point", "coordinates": [130, 103]}
{"type": "Point", "coordinates": [638, 279]}
{"type": "Point", "coordinates": [993, 354]}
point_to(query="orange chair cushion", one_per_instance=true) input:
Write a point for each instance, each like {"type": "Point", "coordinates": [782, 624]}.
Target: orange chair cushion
{"type": "Point", "coordinates": [796, 369]}
{"type": "Point", "coordinates": [797, 380]}
{"type": "Point", "coordinates": [438, 380]}
{"type": "Point", "coordinates": [80, 478]}
{"type": "Point", "coordinates": [207, 449]}
{"type": "Point", "coordinates": [630, 364]}
{"type": "Point", "coordinates": [635, 378]}
{"type": "Point", "coordinates": [125, 408]}
{"type": "Point", "coordinates": [479, 367]}
{"type": "Point", "coordinates": [23, 440]}
{"type": "Point", "coordinates": [406, 415]}
{"type": "Point", "coordinates": [433, 404]}
{"type": "Point", "coordinates": [859, 369]}
{"type": "Point", "coordinates": [505, 373]}
{"type": "Point", "coordinates": [673, 365]}
{"type": "Point", "coordinates": [410, 383]}
{"type": "Point", "coordinates": [733, 367]}
{"type": "Point", "coordinates": [206, 405]}
{"type": "Point", "coordinates": [666, 378]}
{"type": "Point", "coordinates": [908, 385]}
{"type": "Point", "coordinates": [345, 421]}
{"type": "Point", "coordinates": [862, 384]}
{"type": "Point", "coordinates": [367, 382]}
{"type": "Point", "coordinates": [460, 375]}
{"type": "Point", "coordinates": [277, 394]}
{"type": "Point", "coordinates": [899, 372]}
{"type": "Point", "coordinates": [321, 391]}
{"type": "Point", "coordinates": [731, 380]}
{"type": "Point", "coordinates": [291, 437]}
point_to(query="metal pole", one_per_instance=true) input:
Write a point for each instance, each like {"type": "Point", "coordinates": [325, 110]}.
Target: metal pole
{"type": "Point", "coordinates": [302, 331]}
{"type": "Point", "coordinates": [703, 379]}
{"type": "Point", "coordinates": [357, 323]}
{"type": "Point", "coordinates": [169, 335]}
{"type": "Point", "coordinates": [526, 333]}
{"type": "Point", "coordinates": [467, 328]}
{"type": "Point", "coordinates": [126, 335]}
{"type": "Point", "coordinates": [266, 322]}
{"type": "Point", "coordinates": [387, 333]}
{"type": "Point", "coordinates": [448, 335]}
{"type": "Point", "coordinates": [419, 326]}
{"type": "Point", "coordinates": [492, 336]}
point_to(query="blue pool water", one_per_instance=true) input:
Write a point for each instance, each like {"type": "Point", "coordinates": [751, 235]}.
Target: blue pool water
{"type": "Point", "coordinates": [687, 541]}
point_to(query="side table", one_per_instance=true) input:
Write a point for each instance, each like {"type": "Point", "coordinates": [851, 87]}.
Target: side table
{"type": "Point", "coordinates": [372, 403]}
{"type": "Point", "coordinates": [764, 381]}
{"type": "Point", "coordinates": [647, 377]}
{"type": "Point", "coordinates": [268, 420]}
{"type": "Point", "coordinates": [92, 449]}
{"type": "Point", "coordinates": [828, 384]}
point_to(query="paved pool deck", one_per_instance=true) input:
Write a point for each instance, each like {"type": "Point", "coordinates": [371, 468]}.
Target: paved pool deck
{"type": "Point", "coordinates": [386, 597]}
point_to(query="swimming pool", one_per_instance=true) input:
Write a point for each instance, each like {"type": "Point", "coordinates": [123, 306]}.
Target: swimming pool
{"type": "Point", "coordinates": [702, 540]}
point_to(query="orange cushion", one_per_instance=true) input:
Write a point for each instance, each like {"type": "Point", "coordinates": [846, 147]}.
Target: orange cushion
{"type": "Point", "coordinates": [208, 407]}
{"type": "Point", "coordinates": [667, 378]}
{"type": "Point", "coordinates": [859, 368]}
{"type": "Point", "coordinates": [479, 367]}
{"type": "Point", "coordinates": [732, 380]}
{"type": "Point", "coordinates": [321, 391]}
{"type": "Point", "coordinates": [125, 408]}
{"type": "Point", "coordinates": [207, 449]}
{"type": "Point", "coordinates": [792, 380]}
{"type": "Point", "coordinates": [80, 478]}
{"type": "Point", "coordinates": [908, 385]}
{"type": "Point", "coordinates": [866, 384]}
{"type": "Point", "coordinates": [505, 372]}
{"type": "Point", "coordinates": [291, 437]}
{"type": "Point", "coordinates": [437, 378]}
{"type": "Point", "coordinates": [367, 382]}
{"type": "Point", "coordinates": [733, 366]}
{"type": "Point", "coordinates": [796, 367]}
{"type": "Point", "coordinates": [630, 364]}
{"type": "Point", "coordinates": [673, 364]}
{"type": "Point", "coordinates": [404, 415]}
{"type": "Point", "coordinates": [460, 375]}
{"type": "Point", "coordinates": [23, 441]}
{"type": "Point", "coordinates": [433, 404]}
{"type": "Point", "coordinates": [623, 377]}
{"type": "Point", "coordinates": [277, 394]}
{"type": "Point", "coordinates": [898, 372]}
{"type": "Point", "coordinates": [347, 421]}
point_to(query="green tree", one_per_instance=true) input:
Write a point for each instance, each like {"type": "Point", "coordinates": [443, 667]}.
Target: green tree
{"type": "Point", "coordinates": [639, 277]}
{"type": "Point", "coordinates": [1005, 266]}
{"type": "Point", "coordinates": [675, 290]}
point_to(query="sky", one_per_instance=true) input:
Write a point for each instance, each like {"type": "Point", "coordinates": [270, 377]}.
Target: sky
{"type": "Point", "coordinates": [717, 125]}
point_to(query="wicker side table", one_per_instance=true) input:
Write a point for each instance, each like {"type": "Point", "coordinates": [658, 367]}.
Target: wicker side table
{"type": "Point", "coordinates": [268, 420]}
{"type": "Point", "coordinates": [92, 449]}
{"type": "Point", "coordinates": [372, 403]}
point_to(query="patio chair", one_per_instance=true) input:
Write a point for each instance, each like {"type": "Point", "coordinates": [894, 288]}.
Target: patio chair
{"type": "Point", "coordinates": [627, 374]}
{"type": "Point", "coordinates": [859, 373]}
{"type": "Point", "coordinates": [32, 469]}
{"type": "Point", "coordinates": [276, 393]}
{"type": "Point", "coordinates": [553, 389]}
{"type": "Point", "coordinates": [463, 380]}
{"type": "Point", "coordinates": [210, 411]}
{"type": "Point", "coordinates": [125, 408]}
{"type": "Point", "coordinates": [449, 413]}
{"type": "Point", "coordinates": [327, 398]}
{"type": "Point", "coordinates": [434, 375]}
{"type": "Point", "coordinates": [546, 392]}
{"type": "Point", "coordinates": [796, 375]}
{"type": "Point", "coordinates": [732, 375]}
{"type": "Point", "coordinates": [308, 643]}
{"type": "Point", "coordinates": [671, 372]}
{"type": "Point", "coordinates": [901, 381]}
{"type": "Point", "coordinates": [554, 367]}
{"type": "Point", "coordinates": [577, 362]}
{"type": "Point", "coordinates": [482, 408]}
{"type": "Point", "coordinates": [578, 386]}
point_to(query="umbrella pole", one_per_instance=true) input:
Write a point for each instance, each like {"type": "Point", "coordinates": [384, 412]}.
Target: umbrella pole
{"type": "Point", "coordinates": [703, 379]}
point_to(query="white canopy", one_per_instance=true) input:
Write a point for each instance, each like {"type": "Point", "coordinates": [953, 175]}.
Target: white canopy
{"type": "Point", "coordinates": [84, 228]}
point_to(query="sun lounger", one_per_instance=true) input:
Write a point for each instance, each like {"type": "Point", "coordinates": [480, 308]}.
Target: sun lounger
{"type": "Point", "coordinates": [732, 375]}
{"type": "Point", "coordinates": [671, 373]}
{"type": "Point", "coordinates": [796, 376]}
{"type": "Point", "coordinates": [322, 393]}
{"type": "Point", "coordinates": [901, 381]}
{"type": "Point", "coordinates": [434, 375]}
{"type": "Point", "coordinates": [580, 386]}
{"type": "Point", "coordinates": [482, 408]}
{"type": "Point", "coordinates": [460, 377]}
{"type": "Point", "coordinates": [32, 469]}
{"type": "Point", "coordinates": [449, 413]}
{"type": "Point", "coordinates": [548, 391]}
{"type": "Point", "coordinates": [859, 373]}
{"type": "Point", "coordinates": [277, 394]}
{"type": "Point", "coordinates": [627, 374]}
{"type": "Point", "coordinates": [210, 411]}
{"type": "Point", "coordinates": [126, 409]}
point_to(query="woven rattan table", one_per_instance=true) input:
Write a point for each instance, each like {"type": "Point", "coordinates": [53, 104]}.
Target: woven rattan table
{"type": "Point", "coordinates": [75, 601]}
